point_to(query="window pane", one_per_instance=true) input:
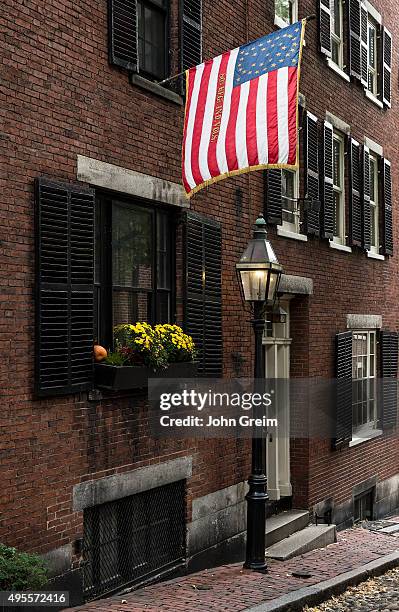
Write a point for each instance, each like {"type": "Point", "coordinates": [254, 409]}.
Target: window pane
{"type": "Point", "coordinates": [131, 306]}
{"type": "Point", "coordinates": [288, 194]}
{"type": "Point", "coordinates": [372, 178]}
{"type": "Point", "coordinates": [337, 162]}
{"type": "Point", "coordinates": [163, 307]}
{"type": "Point", "coordinates": [372, 42]}
{"type": "Point", "coordinates": [131, 247]}
{"type": "Point", "coordinates": [152, 42]}
{"type": "Point", "coordinates": [337, 214]}
{"type": "Point", "coordinates": [283, 10]}
{"type": "Point", "coordinates": [337, 18]}
{"type": "Point", "coordinates": [335, 52]}
{"type": "Point", "coordinates": [163, 252]}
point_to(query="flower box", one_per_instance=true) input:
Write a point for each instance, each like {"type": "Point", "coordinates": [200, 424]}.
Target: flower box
{"type": "Point", "coordinates": [125, 378]}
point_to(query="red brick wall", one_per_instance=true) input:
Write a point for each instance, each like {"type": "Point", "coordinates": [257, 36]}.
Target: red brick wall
{"type": "Point", "coordinates": [59, 98]}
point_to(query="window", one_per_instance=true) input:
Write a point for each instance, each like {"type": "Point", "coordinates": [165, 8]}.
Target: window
{"type": "Point", "coordinates": [289, 198]}
{"type": "Point", "coordinates": [152, 18]}
{"type": "Point", "coordinates": [372, 53]}
{"type": "Point", "coordinates": [286, 12]}
{"type": "Point", "coordinates": [374, 213]}
{"type": "Point", "coordinates": [338, 187]}
{"type": "Point", "coordinates": [337, 34]}
{"type": "Point", "coordinates": [364, 368]}
{"type": "Point", "coordinates": [134, 265]}
{"type": "Point", "coordinates": [130, 539]}
{"type": "Point", "coordinates": [363, 507]}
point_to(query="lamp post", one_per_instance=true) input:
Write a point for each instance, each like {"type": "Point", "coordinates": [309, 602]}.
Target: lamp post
{"type": "Point", "coordinates": [259, 274]}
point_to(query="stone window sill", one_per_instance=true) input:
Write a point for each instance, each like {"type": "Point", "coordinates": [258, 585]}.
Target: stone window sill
{"type": "Point", "coordinates": [158, 90]}
{"type": "Point", "coordinates": [285, 233]}
{"type": "Point", "coordinates": [373, 98]}
{"type": "Point", "coordinates": [356, 441]}
{"type": "Point", "coordinates": [340, 247]}
{"type": "Point", "coordinates": [338, 70]}
{"type": "Point", "coordinates": [375, 256]}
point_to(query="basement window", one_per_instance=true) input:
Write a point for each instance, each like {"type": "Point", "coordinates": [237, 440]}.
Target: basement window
{"type": "Point", "coordinates": [363, 507]}
{"type": "Point", "coordinates": [132, 540]}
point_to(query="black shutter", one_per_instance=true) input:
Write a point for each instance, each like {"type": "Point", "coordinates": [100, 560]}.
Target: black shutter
{"type": "Point", "coordinates": [355, 205]}
{"type": "Point", "coordinates": [203, 304]}
{"type": "Point", "coordinates": [366, 200]}
{"type": "Point", "coordinates": [312, 217]}
{"type": "Point", "coordinates": [354, 38]}
{"type": "Point", "coordinates": [325, 27]}
{"type": "Point", "coordinates": [389, 343]}
{"type": "Point", "coordinates": [273, 194]}
{"type": "Point", "coordinates": [363, 44]}
{"type": "Point", "coordinates": [386, 67]}
{"type": "Point", "coordinates": [327, 182]}
{"type": "Point", "coordinates": [343, 430]}
{"type": "Point", "coordinates": [387, 245]}
{"type": "Point", "coordinates": [64, 288]}
{"type": "Point", "coordinates": [123, 33]}
{"type": "Point", "coordinates": [191, 36]}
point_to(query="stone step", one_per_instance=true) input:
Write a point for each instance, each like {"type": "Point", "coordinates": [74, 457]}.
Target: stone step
{"type": "Point", "coordinates": [303, 541]}
{"type": "Point", "coordinates": [286, 523]}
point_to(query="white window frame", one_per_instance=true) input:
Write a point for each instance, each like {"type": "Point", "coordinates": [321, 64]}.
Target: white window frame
{"type": "Point", "coordinates": [339, 40]}
{"type": "Point", "coordinates": [341, 237]}
{"type": "Point", "coordinates": [374, 207]}
{"type": "Point", "coordinates": [293, 228]}
{"type": "Point", "coordinates": [370, 69]}
{"type": "Point", "coordinates": [282, 23]}
{"type": "Point", "coordinates": [368, 428]}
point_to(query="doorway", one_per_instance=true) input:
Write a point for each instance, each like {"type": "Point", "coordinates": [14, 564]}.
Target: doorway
{"type": "Point", "coordinates": [277, 343]}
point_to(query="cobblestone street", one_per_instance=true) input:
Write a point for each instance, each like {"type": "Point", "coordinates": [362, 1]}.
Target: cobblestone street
{"type": "Point", "coordinates": [380, 593]}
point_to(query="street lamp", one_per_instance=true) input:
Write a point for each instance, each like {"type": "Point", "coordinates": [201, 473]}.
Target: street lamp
{"type": "Point", "coordinates": [259, 274]}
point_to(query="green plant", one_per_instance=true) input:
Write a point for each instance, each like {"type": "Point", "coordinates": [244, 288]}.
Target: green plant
{"type": "Point", "coordinates": [178, 345]}
{"type": "Point", "coordinates": [21, 571]}
{"type": "Point", "coordinates": [140, 344]}
{"type": "Point", "coordinates": [156, 347]}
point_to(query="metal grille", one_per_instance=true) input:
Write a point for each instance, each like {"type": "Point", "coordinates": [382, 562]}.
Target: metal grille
{"type": "Point", "coordinates": [130, 540]}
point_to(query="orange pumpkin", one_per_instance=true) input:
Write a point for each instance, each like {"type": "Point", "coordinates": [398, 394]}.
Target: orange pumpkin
{"type": "Point", "coordinates": [99, 352]}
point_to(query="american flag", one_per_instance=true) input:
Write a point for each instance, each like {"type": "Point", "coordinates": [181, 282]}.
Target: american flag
{"type": "Point", "coordinates": [241, 110]}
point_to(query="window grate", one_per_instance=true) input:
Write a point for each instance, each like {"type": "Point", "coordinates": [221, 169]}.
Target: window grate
{"type": "Point", "coordinates": [130, 540]}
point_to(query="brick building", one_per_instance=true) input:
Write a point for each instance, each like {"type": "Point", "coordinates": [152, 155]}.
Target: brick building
{"type": "Point", "coordinates": [90, 164]}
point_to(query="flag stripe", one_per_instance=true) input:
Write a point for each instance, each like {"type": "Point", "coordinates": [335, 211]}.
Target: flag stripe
{"type": "Point", "coordinates": [241, 126]}
{"type": "Point", "coordinates": [292, 113]}
{"type": "Point", "coordinates": [208, 119]}
{"type": "Point", "coordinates": [231, 151]}
{"type": "Point", "coordinates": [217, 116]}
{"type": "Point", "coordinates": [272, 119]}
{"type": "Point", "coordinates": [221, 152]}
{"type": "Point", "coordinates": [199, 120]}
{"type": "Point", "coordinates": [190, 125]}
{"type": "Point", "coordinates": [261, 120]}
{"type": "Point", "coordinates": [186, 167]}
{"type": "Point", "coordinates": [282, 115]}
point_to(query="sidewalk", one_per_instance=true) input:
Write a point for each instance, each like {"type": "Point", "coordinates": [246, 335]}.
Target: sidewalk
{"type": "Point", "coordinates": [230, 588]}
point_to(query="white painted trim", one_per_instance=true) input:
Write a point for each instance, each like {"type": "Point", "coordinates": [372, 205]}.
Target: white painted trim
{"type": "Point", "coordinates": [372, 255]}
{"type": "Point", "coordinates": [374, 146]}
{"type": "Point", "coordinates": [284, 233]}
{"type": "Point", "coordinates": [373, 12]}
{"type": "Point", "coordinates": [280, 22]}
{"type": "Point", "coordinates": [340, 247]}
{"type": "Point", "coordinates": [338, 70]}
{"type": "Point", "coordinates": [130, 182]}
{"type": "Point", "coordinates": [373, 98]}
{"type": "Point", "coordinates": [356, 441]}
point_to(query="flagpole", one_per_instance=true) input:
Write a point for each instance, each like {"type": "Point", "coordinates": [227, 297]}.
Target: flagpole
{"type": "Point", "coordinates": [176, 76]}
